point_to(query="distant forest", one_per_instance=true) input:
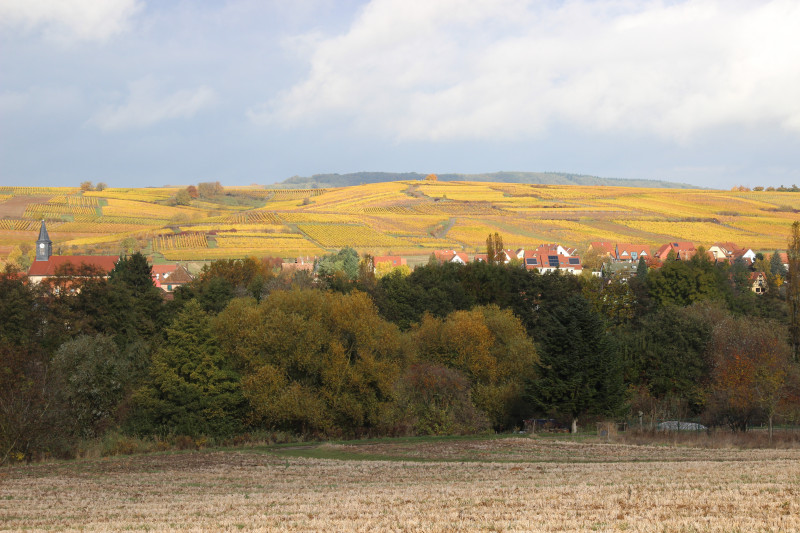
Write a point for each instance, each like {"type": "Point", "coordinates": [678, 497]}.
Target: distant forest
{"type": "Point", "coordinates": [540, 178]}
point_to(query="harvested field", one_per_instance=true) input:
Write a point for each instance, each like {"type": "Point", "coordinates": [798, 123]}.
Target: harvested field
{"type": "Point", "coordinates": [568, 487]}
{"type": "Point", "coordinates": [15, 206]}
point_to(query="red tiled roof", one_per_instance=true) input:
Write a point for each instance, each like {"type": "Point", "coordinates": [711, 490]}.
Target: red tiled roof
{"type": "Point", "coordinates": [537, 259]}
{"type": "Point", "coordinates": [625, 249]}
{"type": "Point", "coordinates": [446, 256]}
{"type": "Point", "coordinates": [677, 246]}
{"type": "Point", "coordinates": [604, 247]}
{"type": "Point", "coordinates": [164, 269]}
{"type": "Point", "coordinates": [48, 268]}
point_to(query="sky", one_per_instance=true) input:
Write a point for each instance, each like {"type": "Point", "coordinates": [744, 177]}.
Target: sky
{"type": "Point", "coordinates": [157, 92]}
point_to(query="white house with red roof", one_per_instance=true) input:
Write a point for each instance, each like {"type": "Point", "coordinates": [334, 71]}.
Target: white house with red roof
{"type": "Point", "coordinates": [621, 251]}
{"type": "Point", "coordinates": [170, 277]}
{"type": "Point", "coordinates": [547, 259]}
{"type": "Point", "coordinates": [682, 249]}
{"type": "Point", "coordinates": [451, 256]}
{"type": "Point", "coordinates": [728, 251]}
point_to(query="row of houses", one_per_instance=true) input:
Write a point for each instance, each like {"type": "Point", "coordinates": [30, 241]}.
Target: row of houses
{"type": "Point", "coordinates": [682, 250]}
{"type": "Point", "coordinates": [543, 258]}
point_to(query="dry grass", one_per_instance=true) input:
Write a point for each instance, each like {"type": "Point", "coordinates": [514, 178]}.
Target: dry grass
{"type": "Point", "coordinates": [621, 488]}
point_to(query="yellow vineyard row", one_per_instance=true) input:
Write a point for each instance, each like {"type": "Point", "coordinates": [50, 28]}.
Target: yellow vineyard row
{"type": "Point", "coordinates": [16, 224]}
{"type": "Point", "coordinates": [341, 235]}
{"type": "Point", "coordinates": [252, 217]}
{"type": "Point", "coordinates": [181, 241]}
{"type": "Point", "coordinates": [38, 191]}
{"type": "Point", "coordinates": [81, 201]}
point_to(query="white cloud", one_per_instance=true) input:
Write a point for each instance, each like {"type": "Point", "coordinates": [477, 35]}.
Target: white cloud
{"type": "Point", "coordinates": [67, 20]}
{"type": "Point", "coordinates": [489, 69]}
{"type": "Point", "coordinates": [147, 105]}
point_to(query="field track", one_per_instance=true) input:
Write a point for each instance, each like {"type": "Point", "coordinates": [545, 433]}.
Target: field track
{"type": "Point", "coordinates": [512, 484]}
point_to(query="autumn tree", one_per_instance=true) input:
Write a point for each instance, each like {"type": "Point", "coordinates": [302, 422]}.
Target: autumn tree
{"type": "Point", "coordinates": [31, 417]}
{"type": "Point", "coordinates": [491, 348]}
{"type": "Point", "coordinates": [94, 375]}
{"type": "Point", "coordinates": [494, 249]}
{"type": "Point", "coordinates": [313, 361]}
{"type": "Point", "coordinates": [86, 186]}
{"type": "Point", "coordinates": [751, 365]}
{"type": "Point", "coordinates": [344, 263]}
{"type": "Point", "coordinates": [684, 282]}
{"type": "Point", "coordinates": [209, 189]}
{"type": "Point", "coordinates": [793, 291]}
{"type": "Point", "coordinates": [437, 400]}
{"type": "Point", "coordinates": [431, 177]}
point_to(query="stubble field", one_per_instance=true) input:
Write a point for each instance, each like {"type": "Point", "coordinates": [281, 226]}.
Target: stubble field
{"type": "Point", "coordinates": [509, 484]}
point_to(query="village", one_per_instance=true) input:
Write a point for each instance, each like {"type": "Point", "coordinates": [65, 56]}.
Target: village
{"type": "Point", "coordinates": [606, 260]}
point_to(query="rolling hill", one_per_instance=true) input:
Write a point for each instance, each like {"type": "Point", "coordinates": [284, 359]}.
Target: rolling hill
{"type": "Point", "coordinates": [410, 218]}
{"type": "Point", "coordinates": [537, 178]}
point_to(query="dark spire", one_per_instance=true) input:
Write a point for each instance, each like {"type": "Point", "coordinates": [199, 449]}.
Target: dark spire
{"type": "Point", "coordinates": [43, 236]}
{"type": "Point", "coordinates": [44, 246]}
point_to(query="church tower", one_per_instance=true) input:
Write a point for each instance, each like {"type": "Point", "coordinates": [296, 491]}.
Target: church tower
{"type": "Point", "coordinates": [44, 246]}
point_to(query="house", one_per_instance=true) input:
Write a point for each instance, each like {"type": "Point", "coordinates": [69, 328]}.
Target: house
{"type": "Point", "coordinates": [683, 250]}
{"type": "Point", "coordinates": [728, 251]}
{"type": "Point", "coordinates": [784, 260]}
{"type": "Point", "coordinates": [620, 251]}
{"type": "Point", "coordinates": [556, 249]}
{"type": "Point", "coordinates": [504, 256]}
{"type": "Point", "coordinates": [603, 249]}
{"type": "Point", "coordinates": [632, 252]}
{"type": "Point", "coordinates": [450, 256]}
{"type": "Point", "coordinates": [47, 265]}
{"type": "Point", "coordinates": [622, 270]}
{"type": "Point", "coordinates": [758, 282]}
{"type": "Point", "coordinates": [300, 264]}
{"type": "Point", "coordinates": [394, 260]}
{"type": "Point", "coordinates": [170, 277]}
{"type": "Point", "coordinates": [544, 260]}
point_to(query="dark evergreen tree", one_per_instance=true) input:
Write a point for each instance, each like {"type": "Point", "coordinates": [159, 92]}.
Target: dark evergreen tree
{"type": "Point", "coordinates": [19, 312]}
{"type": "Point", "coordinates": [667, 354]}
{"type": "Point", "coordinates": [193, 389]}
{"type": "Point", "coordinates": [641, 269]}
{"type": "Point", "coordinates": [580, 371]}
{"type": "Point", "coordinates": [135, 305]}
{"type": "Point", "coordinates": [776, 266]}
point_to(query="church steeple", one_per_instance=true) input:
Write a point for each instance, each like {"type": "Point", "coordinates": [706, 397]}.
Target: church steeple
{"type": "Point", "coordinates": [44, 246]}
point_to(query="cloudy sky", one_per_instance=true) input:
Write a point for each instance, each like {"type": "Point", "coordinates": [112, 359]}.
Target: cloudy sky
{"type": "Point", "coordinates": [154, 92]}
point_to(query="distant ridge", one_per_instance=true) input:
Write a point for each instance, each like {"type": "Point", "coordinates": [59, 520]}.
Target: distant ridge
{"type": "Point", "coordinates": [539, 178]}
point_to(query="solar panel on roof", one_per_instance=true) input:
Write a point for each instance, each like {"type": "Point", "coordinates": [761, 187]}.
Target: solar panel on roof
{"type": "Point", "coordinates": [553, 260]}
{"type": "Point", "coordinates": [574, 261]}
{"type": "Point", "coordinates": [531, 261]}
